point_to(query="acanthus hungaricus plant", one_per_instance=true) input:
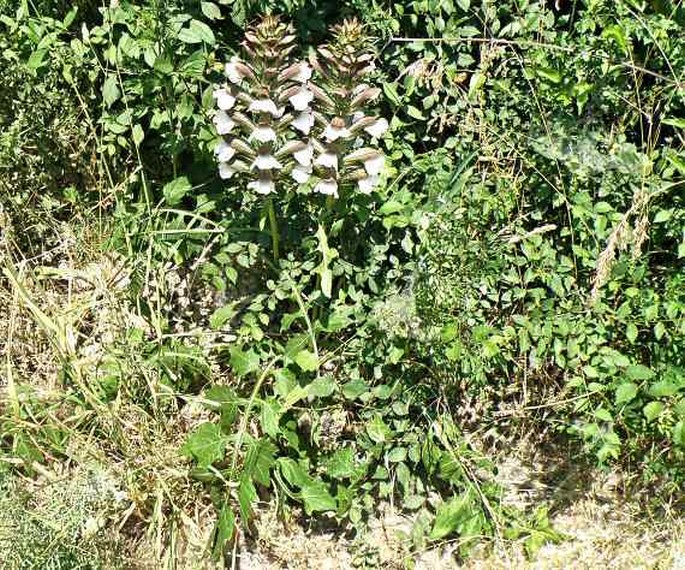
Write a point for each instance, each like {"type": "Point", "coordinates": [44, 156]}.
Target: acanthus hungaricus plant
{"type": "Point", "coordinates": [281, 116]}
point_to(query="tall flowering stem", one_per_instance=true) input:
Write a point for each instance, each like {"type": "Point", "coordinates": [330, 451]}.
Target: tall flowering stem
{"type": "Point", "coordinates": [263, 94]}
{"type": "Point", "coordinates": [347, 127]}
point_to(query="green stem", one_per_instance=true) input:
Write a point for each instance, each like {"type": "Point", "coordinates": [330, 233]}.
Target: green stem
{"type": "Point", "coordinates": [273, 225]}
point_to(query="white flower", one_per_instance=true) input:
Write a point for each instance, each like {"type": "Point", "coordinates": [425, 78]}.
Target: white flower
{"type": "Point", "coordinates": [224, 99]}
{"type": "Point", "coordinates": [304, 72]}
{"type": "Point", "coordinates": [263, 134]}
{"type": "Point", "coordinates": [235, 71]}
{"type": "Point", "coordinates": [262, 186]}
{"type": "Point", "coordinates": [374, 165]}
{"type": "Point", "coordinates": [266, 162]}
{"type": "Point", "coordinates": [224, 123]}
{"type": "Point", "coordinates": [301, 98]}
{"type": "Point", "coordinates": [327, 186]}
{"type": "Point", "coordinates": [304, 122]}
{"type": "Point", "coordinates": [328, 159]}
{"type": "Point", "coordinates": [224, 151]}
{"type": "Point", "coordinates": [367, 184]}
{"type": "Point", "coordinates": [301, 173]}
{"type": "Point", "coordinates": [300, 72]}
{"type": "Point", "coordinates": [226, 170]}
{"type": "Point", "coordinates": [304, 156]}
{"type": "Point", "coordinates": [377, 128]}
{"type": "Point", "coordinates": [335, 132]}
{"type": "Point", "coordinates": [265, 106]}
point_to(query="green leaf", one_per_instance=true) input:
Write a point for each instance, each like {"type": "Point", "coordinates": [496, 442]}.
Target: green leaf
{"type": "Point", "coordinates": [197, 32]}
{"type": "Point", "coordinates": [328, 254]}
{"type": "Point", "coordinates": [259, 459]}
{"type": "Point", "coordinates": [663, 389]}
{"type": "Point", "coordinates": [205, 445]}
{"type": "Point", "coordinates": [175, 190]}
{"type": "Point", "coordinates": [224, 529]}
{"type": "Point", "coordinates": [307, 360]}
{"type": "Point", "coordinates": [653, 410]}
{"type": "Point", "coordinates": [397, 454]}
{"type": "Point", "coordinates": [138, 134]}
{"type": "Point", "coordinates": [355, 388]}
{"type": "Point", "coordinates": [36, 59]}
{"type": "Point", "coordinates": [414, 113]}
{"type": "Point", "coordinates": [270, 418]}
{"type": "Point", "coordinates": [548, 73]}
{"type": "Point", "coordinates": [340, 464]}
{"type": "Point", "coordinates": [603, 414]}
{"type": "Point", "coordinates": [464, 4]}
{"type": "Point", "coordinates": [247, 496]}
{"type": "Point", "coordinates": [110, 91]}
{"type": "Point", "coordinates": [378, 430]}
{"type": "Point", "coordinates": [639, 372]}
{"type": "Point", "coordinates": [631, 332]}
{"type": "Point", "coordinates": [663, 216]}
{"type": "Point", "coordinates": [316, 497]}
{"type": "Point", "coordinates": [222, 315]}
{"type": "Point", "coordinates": [674, 122]}
{"type": "Point", "coordinates": [451, 515]}
{"type": "Point", "coordinates": [322, 387]}
{"type": "Point", "coordinates": [679, 434]}
{"type": "Point", "coordinates": [211, 10]}
{"type": "Point", "coordinates": [293, 472]}
{"type": "Point", "coordinates": [244, 362]}
{"type": "Point", "coordinates": [625, 393]}
{"type": "Point", "coordinates": [390, 90]}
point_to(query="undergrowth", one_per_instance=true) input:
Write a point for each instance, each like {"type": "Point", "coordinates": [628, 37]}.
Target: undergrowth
{"type": "Point", "coordinates": [330, 258]}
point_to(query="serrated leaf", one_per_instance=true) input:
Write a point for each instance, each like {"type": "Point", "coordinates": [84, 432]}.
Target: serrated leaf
{"type": "Point", "coordinates": [639, 372]}
{"type": "Point", "coordinates": [663, 389]}
{"type": "Point", "coordinates": [244, 362]}
{"type": "Point", "coordinates": [548, 73]}
{"type": "Point", "coordinates": [307, 360]}
{"type": "Point", "coordinates": [340, 464]}
{"type": "Point", "coordinates": [625, 393]}
{"type": "Point", "coordinates": [175, 190]}
{"type": "Point", "coordinates": [205, 445]}
{"type": "Point", "coordinates": [653, 410]}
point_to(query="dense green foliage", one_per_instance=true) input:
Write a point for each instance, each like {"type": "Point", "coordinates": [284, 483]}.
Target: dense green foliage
{"type": "Point", "coordinates": [526, 250]}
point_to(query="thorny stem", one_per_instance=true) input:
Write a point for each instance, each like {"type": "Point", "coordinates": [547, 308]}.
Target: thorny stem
{"type": "Point", "coordinates": [273, 225]}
